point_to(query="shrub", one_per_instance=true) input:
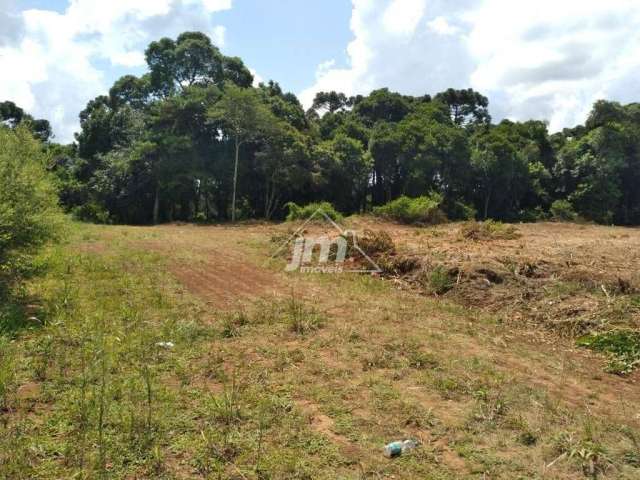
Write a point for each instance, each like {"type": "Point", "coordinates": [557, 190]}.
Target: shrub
{"type": "Point", "coordinates": [562, 210]}
{"type": "Point", "coordinates": [297, 212]}
{"type": "Point", "coordinates": [29, 214]}
{"type": "Point", "coordinates": [422, 210]}
{"type": "Point", "coordinates": [91, 212]}
{"type": "Point", "coordinates": [459, 210]}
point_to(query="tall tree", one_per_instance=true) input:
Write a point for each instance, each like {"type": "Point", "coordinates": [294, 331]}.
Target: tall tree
{"type": "Point", "coordinates": [466, 106]}
{"type": "Point", "coordinates": [244, 117]}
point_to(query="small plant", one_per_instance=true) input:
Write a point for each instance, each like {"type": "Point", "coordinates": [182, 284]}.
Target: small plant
{"type": "Point", "coordinates": [423, 210]}
{"type": "Point", "coordinates": [440, 281]}
{"type": "Point", "coordinates": [42, 356]}
{"type": "Point", "coordinates": [232, 324]}
{"type": "Point", "coordinates": [302, 319]}
{"type": "Point", "coordinates": [297, 212]}
{"type": "Point", "coordinates": [623, 346]}
{"type": "Point", "coordinates": [225, 408]}
{"type": "Point", "coordinates": [590, 454]}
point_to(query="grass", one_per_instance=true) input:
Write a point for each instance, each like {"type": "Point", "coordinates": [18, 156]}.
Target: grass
{"type": "Point", "coordinates": [308, 385]}
{"type": "Point", "coordinates": [623, 347]}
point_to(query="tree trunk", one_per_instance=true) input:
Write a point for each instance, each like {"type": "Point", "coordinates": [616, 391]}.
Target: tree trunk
{"type": "Point", "coordinates": [235, 181]}
{"type": "Point", "coordinates": [486, 204]}
{"type": "Point", "coordinates": [156, 206]}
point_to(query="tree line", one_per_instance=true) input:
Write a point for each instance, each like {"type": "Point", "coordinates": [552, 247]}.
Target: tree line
{"type": "Point", "coordinates": [193, 140]}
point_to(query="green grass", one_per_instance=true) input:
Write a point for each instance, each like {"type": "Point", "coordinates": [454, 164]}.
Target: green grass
{"type": "Point", "coordinates": [623, 346]}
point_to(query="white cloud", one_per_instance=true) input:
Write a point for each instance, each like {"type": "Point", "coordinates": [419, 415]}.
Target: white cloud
{"type": "Point", "coordinates": [54, 58]}
{"type": "Point", "coordinates": [547, 59]}
{"type": "Point", "coordinates": [554, 59]}
{"type": "Point", "coordinates": [442, 26]}
{"type": "Point", "coordinates": [257, 79]}
{"type": "Point", "coordinates": [402, 17]}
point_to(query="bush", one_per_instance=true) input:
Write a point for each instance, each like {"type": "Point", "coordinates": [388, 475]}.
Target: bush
{"type": "Point", "coordinates": [422, 210]}
{"type": "Point", "coordinates": [459, 210]}
{"type": "Point", "coordinates": [562, 210]}
{"type": "Point", "coordinates": [91, 212]}
{"type": "Point", "coordinates": [297, 212]}
{"type": "Point", "coordinates": [29, 213]}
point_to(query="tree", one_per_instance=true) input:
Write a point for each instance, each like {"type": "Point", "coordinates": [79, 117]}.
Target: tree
{"type": "Point", "coordinates": [191, 60]}
{"type": "Point", "coordinates": [500, 174]}
{"type": "Point", "coordinates": [12, 116]}
{"type": "Point", "coordinates": [284, 162]}
{"type": "Point", "coordinates": [435, 154]}
{"type": "Point", "coordinates": [243, 116]}
{"type": "Point", "coordinates": [346, 170]}
{"type": "Point", "coordinates": [382, 105]}
{"type": "Point", "coordinates": [331, 102]}
{"type": "Point", "coordinates": [385, 148]}
{"type": "Point", "coordinates": [466, 106]}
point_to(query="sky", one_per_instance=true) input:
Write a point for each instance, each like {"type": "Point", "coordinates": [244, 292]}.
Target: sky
{"type": "Point", "coordinates": [543, 59]}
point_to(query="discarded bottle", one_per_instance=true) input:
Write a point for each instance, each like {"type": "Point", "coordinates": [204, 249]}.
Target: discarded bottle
{"type": "Point", "coordinates": [395, 449]}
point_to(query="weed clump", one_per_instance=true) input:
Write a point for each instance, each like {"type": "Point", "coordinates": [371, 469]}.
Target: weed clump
{"type": "Point", "coordinates": [423, 210]}
{"type": "Point", "coordinates": [302, 319]}
{"type": "Point", "coordinates": [440, 280]}
{"type": "Point", "coordinates": [623, 346]}
{"type": "Point", "coordinates": [233, 323]}
{"type": "Point", "coordinates": [488, 230]}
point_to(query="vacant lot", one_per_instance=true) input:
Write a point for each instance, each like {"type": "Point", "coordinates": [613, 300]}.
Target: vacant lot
{"type": "Point", "coordinates": [186, 352]}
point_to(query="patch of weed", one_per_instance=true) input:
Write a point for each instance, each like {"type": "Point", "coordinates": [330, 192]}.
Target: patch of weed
{"type": "Point", "coordinates": [623, 346]}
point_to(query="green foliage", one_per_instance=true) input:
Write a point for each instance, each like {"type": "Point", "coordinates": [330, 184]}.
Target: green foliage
{"type": "Point", "coordinates": [440, 281]}
{"type": "Point", "coordinates": [193, 140]}
{"type": "Point", "coordinates": [562, 210]}
{"type": "Point", "coordinates": [91, 212]}
{"type": "Point", "coordinates": [29, 214]}
{"type": "Point", "coordinates": [459, 210]}
{"type": "Point", "coordinates": [421, 210]}
{"type": "Point", "coordinates": [622, 345]}
{"type": "Point", "coordinates": [297, 212]}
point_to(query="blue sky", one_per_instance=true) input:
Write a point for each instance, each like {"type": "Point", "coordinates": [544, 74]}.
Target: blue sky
{"type": "Point", "coordinates": [546, 59]}
{"type": "Point", "coordinates": [283, 40]}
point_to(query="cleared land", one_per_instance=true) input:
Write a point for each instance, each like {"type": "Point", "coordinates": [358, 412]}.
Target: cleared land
{"type": "Point", "coordinates": [468, 343]}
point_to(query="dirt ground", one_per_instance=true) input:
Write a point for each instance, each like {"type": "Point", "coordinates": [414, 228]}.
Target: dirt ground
{"type": "Point", "coordinates": [486, 374]}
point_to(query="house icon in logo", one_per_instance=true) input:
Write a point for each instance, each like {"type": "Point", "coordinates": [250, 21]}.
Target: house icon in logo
{"type": "Point", "coordinates": [338, 253]}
